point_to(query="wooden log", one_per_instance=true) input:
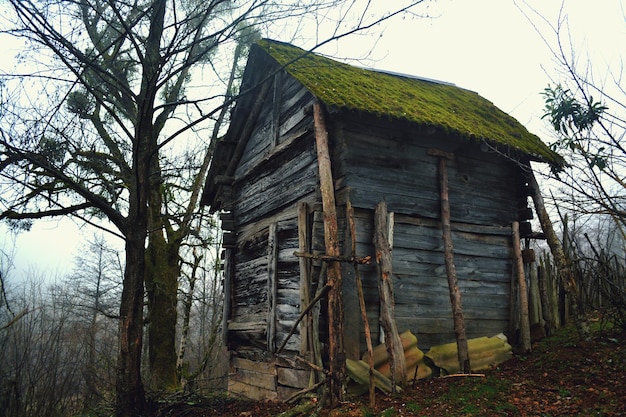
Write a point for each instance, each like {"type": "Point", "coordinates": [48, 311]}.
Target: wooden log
{"type": "Point", "coordinates": [534, 301]}
{"type": "Point", "coordinates": [546, 300]}
{"type": "Point", "coordinates": [453, 284]}
{"type": "Point", "coordinates": [272, 286]}
{"type": "Point", "coordinates": [385, 288]}
{"type": "Point", "coordinates": [337, 363]}
{"type": "Point", "coordinates": [363, 308]}
{"type": "Point", "coordinates": [228, 294]}
{"type": "Point", "coordinates": [523, 291]}
{"type": "Point", "coordinates": [562, 262]}
{"type": "Point", "coordinates": [304, 239]}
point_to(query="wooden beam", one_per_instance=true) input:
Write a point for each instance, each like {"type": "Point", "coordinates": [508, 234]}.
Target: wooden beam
{"type": "Point", "coordinates": [304, 245]}
{"type": "Point", "coordinates": [361, 296]}
{"type": "Point", "coordinates": [272, 285]}
{"type": "Point", "coordinates": [228, 279]}
{"type": "Point", "coordinates": [524, 323]}
{"type": "Point", "coordinates": [387, 303]}
{"type": "Point", "coordinates": [331, 239]}
{"type": "Point", "coordinates": [453, 284]}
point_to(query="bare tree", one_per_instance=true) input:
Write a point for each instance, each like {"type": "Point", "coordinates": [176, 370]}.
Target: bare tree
{"type": "Point", "coordinates": [109, 125]}
{"type": "Point", "coordinates": [586, 108]}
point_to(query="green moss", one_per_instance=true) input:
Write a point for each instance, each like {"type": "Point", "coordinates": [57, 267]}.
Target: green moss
{"type": "Point", "coordinates": [456, 111]}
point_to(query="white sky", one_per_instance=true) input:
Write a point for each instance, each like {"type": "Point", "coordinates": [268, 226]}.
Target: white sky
{"type": "Point", "coordinates": [487, 46]}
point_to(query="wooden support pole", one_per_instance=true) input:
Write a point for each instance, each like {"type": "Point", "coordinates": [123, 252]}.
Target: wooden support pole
{"type": "Point", "coordinates": [547, 303]}
{"type": "Point", "coordinates": [272, 284]}
{"type": "Point", "coordinates": [366, 325]}
{"type": "Point", "coordinates": [453, 284]}
{"type": "Point", "coordinates": [331, 239]}
{"type": "Point", "coordinates": [562, 262]}
{"type": "Point", "coordinates": [393, 343]}
{"type": "Point", "coordinates": [524, 323]}
{"type": "Point", "coordinates": [305, 274]}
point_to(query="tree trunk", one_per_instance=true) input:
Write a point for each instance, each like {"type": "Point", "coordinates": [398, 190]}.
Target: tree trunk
{"type": "Point", "coordinates": [130, 396]}
{"type": "Point", "coordinates": [562, 262]}
{"type": "Point", "coordinates": [187, 304]}
{"type": "Point", "coordinates": [331, 239]}
{"type": "Point", "coordinates": [523, 291]}
{"type": "Point", "coordinates": [395, 350]}
{"type": "Point", "coordinates": [453, 284]}
{"type": "Point", "coordinates": [162, 272]}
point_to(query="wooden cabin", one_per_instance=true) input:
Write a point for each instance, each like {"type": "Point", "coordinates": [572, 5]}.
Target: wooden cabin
{"type": "Point", "coordinates": [387, 134]}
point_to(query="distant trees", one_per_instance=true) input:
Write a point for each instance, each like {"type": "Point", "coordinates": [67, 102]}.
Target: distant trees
{"type": "Point", "coordinates": [57, 359]}
{"type": "Point", "coordinates": [108, 119]}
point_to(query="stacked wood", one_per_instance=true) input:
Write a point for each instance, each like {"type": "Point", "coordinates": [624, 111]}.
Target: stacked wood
{"type": "Point", "coordinates": [484, 352]}
{"type": "Point", "coordinates": [416, 368]}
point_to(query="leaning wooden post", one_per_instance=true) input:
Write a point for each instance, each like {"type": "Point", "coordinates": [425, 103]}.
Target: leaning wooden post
{"type": "Point", "coordinates": [523, 291]}
{"type": "Point", "coordinates": [562, 263]}
{"type": "Point", "coordinates": [359, 289]}
{"type": "Point", "coordinates": [395, 350]}
{"type": "Point", "coordinates": [453, 284]}
{"type": "Point", "coordinates": [331, 240]}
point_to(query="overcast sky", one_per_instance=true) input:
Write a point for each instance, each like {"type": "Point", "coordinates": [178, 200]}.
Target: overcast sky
{"type": "Point", "coordinates": [488, 46]}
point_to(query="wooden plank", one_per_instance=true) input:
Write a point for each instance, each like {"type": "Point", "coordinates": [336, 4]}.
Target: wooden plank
{"type": "Point", "coordinates": [247, 326]}
{"type": "Point", "coordinates": [272, 286]}
{"type": "Point", "coordinates": [276, 102]}
{"type": "Point", "coordinates": [256, 366]}
{"type": "Point", "coordinates": [304, 239]}
{"type": "Point", "coordinates": [252, 392]}
{"type": "Point", "coordinates": [228, 295]}
{"type": "Point", "coordinates": [297, 378]}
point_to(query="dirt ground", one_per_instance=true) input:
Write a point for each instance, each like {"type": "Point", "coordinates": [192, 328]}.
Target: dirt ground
{"type": "Point", "coordinates": [561, 377]}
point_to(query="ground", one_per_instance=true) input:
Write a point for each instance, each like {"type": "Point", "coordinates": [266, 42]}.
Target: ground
{"type": "Point", "coordinates": [561, 377]}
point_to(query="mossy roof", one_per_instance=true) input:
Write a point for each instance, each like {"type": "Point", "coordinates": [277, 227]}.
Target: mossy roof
{"type": "Point", "coordinates": [456, 111]}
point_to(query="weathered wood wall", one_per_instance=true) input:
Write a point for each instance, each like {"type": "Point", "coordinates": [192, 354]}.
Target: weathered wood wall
{"type": "Point", "coordinates": [277, 170]}
{"type": "Point", "coordinates": [486, 193]}
{"type": "Point", "coordinates": [390, 161]}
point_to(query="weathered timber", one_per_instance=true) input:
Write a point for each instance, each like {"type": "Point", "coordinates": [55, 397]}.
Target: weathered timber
{"type": "Point", "coordinates": [296, 378]}
{"type": "Point", "coordinates": [387, 302]}
{"type": "Point", "coordinates": [455, 293]}
{"type": "Point", "coordinates": [272, 286]}
{"type": "Point", "coordinates": [322, 293]}
{"type": "Point", "coordinates": [335, 303]}
{"type": "Point", "coordinates": [523, 291]}
{"type": "Point", "coordinates": [247, 128]}
{"type": "Point", "coordinates": [228, 293]}
{"type": "Point", "coordinates": [362, 306]}
{"type": "Point", "coordinates": [546, 301]}
{"type": "Point", "coordinates": [304, 238]}
{"type": "Point", "coordinates": [329, 258]}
